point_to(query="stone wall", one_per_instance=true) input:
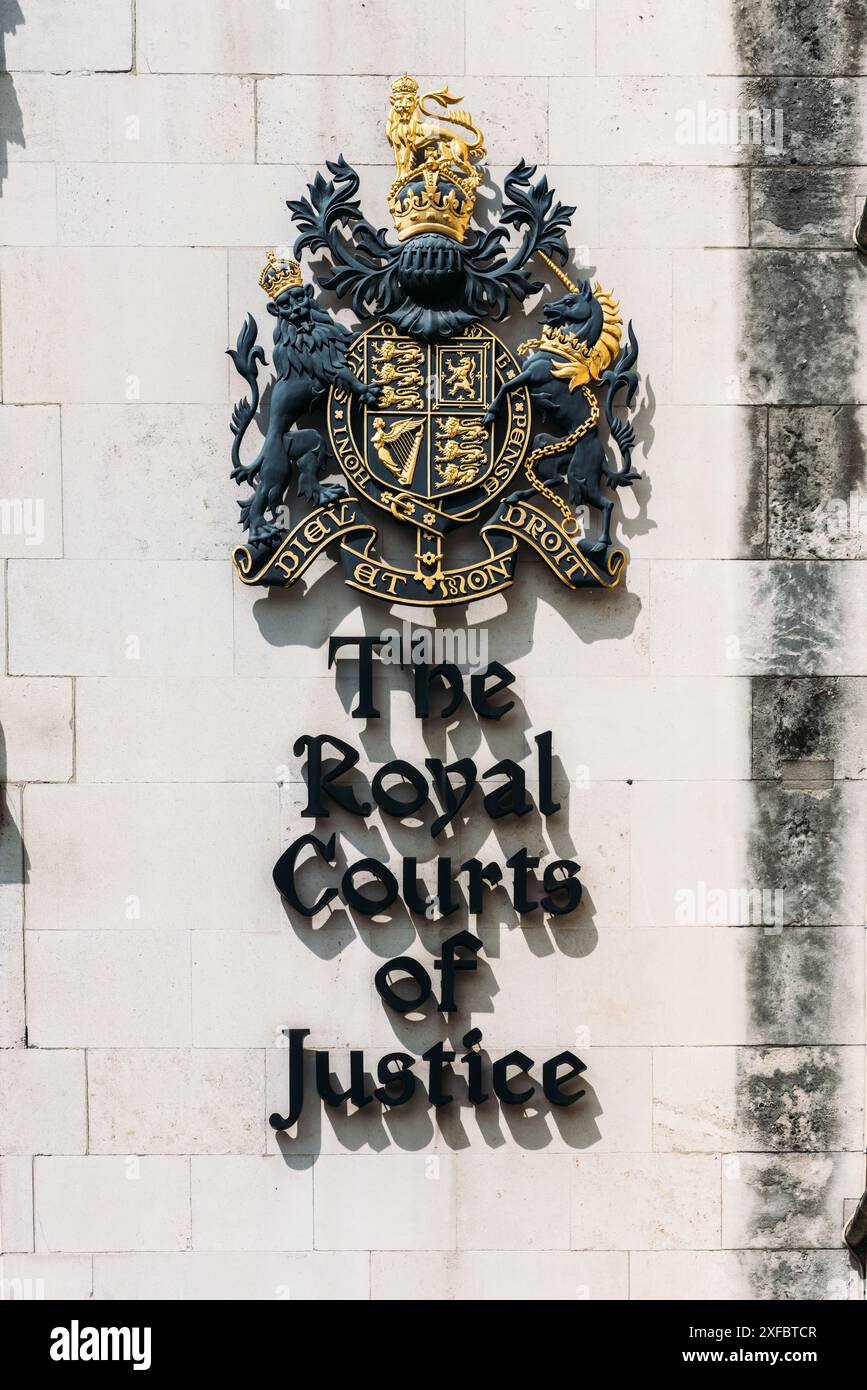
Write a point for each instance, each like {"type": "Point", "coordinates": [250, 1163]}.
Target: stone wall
{"type": "Point", "coordinates": [708, 718]}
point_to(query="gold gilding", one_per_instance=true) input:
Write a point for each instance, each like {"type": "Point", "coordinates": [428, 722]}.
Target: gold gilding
{"type": "Point", "coordinates": [436, 165]}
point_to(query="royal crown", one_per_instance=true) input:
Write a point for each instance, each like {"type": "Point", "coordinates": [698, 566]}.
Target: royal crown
{"type": "Point", "coordinates": [404, 85]}
{"type": "Point", "coordinates": [280, 274]}
{"type": "Point", "coordinates": [434, 201]}
{"type": "Point", "coordinates": [437, 176]}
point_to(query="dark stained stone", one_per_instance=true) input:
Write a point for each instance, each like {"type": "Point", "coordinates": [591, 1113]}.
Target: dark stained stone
{"type": "Point", "coordinates": [803, 984]}
{"type": "Point", "coordinates": [801, 313]}
{"type": "Point", "coordinates": [802, 317]}
{"type": "Point", "coordinates": [809, 718]}
{"type": "Point", "coordinates": [804, 843]}
{"type": "Point", "coordinates": [812, 1275]}
{"type": "Point", "coordinates": [789, 1098]}
{"type": "Point", "coordinates": [809, 120]}
{"type": "Point", "coordinates": [800, 36]}
{"type": "Point", "coordinates": [793, 717]}
{"type": "Point", "coordinates": [798, 624]}
{"type": "Point", "coordinates": [797, 207]}
{"type": "Point", "coordinates": [817, 483]}
{"type": "Point", "coordinates": [793, 1199]}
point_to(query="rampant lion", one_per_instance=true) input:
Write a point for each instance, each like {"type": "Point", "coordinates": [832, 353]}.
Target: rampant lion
{"type": "Point", "coordinates": [579, 344]}
{"type": "Point", "coordinates": [309, 356]}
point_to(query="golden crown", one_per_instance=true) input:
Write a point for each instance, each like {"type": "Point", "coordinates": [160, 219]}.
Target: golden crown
{"type": "Point", "coordinates": [437, 200]}
{"type": "Point", "coordinates": [279, 274]}
{"type": "Point", "coordinates": [436, 155]}
{"type": "Point", "coordinates": [404, 86]}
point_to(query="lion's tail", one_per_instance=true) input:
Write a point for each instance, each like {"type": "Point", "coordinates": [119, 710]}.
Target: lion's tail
{"type": "Point", "coordinates": [246, 356]}
{"type": "Point", "coordinates": [458, 117]}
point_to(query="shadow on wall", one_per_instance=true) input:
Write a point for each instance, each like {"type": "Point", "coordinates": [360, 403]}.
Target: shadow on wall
{"type": "Point", "coordinates": [11, 124]}
{"type": "Point", "coordinates": [14, 864]}
{"type": "Point", "coordinates": [471, 835]}
{"type": "Point", "coordinates": [414, 1127]}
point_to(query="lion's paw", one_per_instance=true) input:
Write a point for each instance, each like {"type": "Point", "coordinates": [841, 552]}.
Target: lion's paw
{"type": "Point", "coordinates": [265, 535]}
{"type": "Point", "coordinates": [329, 492]}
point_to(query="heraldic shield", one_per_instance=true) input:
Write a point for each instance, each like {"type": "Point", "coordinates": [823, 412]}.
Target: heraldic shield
{"type": "Point", "coordinates": [428, 415]}
{"type": "Point", "coordinates": [425, 452]}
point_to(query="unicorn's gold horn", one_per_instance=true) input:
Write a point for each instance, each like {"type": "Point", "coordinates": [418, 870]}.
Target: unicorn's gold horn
{"type": "Point", "coordinates": [561, 274]}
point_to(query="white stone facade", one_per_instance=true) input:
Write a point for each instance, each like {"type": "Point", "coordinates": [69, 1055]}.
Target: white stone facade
{"type": "Point", "coordinates": [149, 703]}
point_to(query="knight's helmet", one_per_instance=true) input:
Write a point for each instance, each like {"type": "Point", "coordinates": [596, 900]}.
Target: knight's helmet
{"type": "Point", "coordinates": [436, 157]}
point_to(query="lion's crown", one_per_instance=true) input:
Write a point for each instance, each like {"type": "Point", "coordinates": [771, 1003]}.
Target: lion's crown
{"type": "Point", "coordinates": [280, 273]}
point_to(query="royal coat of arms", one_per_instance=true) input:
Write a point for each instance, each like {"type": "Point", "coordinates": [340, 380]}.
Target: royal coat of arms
{"type": "Point", "coordinates": [426, 413]}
